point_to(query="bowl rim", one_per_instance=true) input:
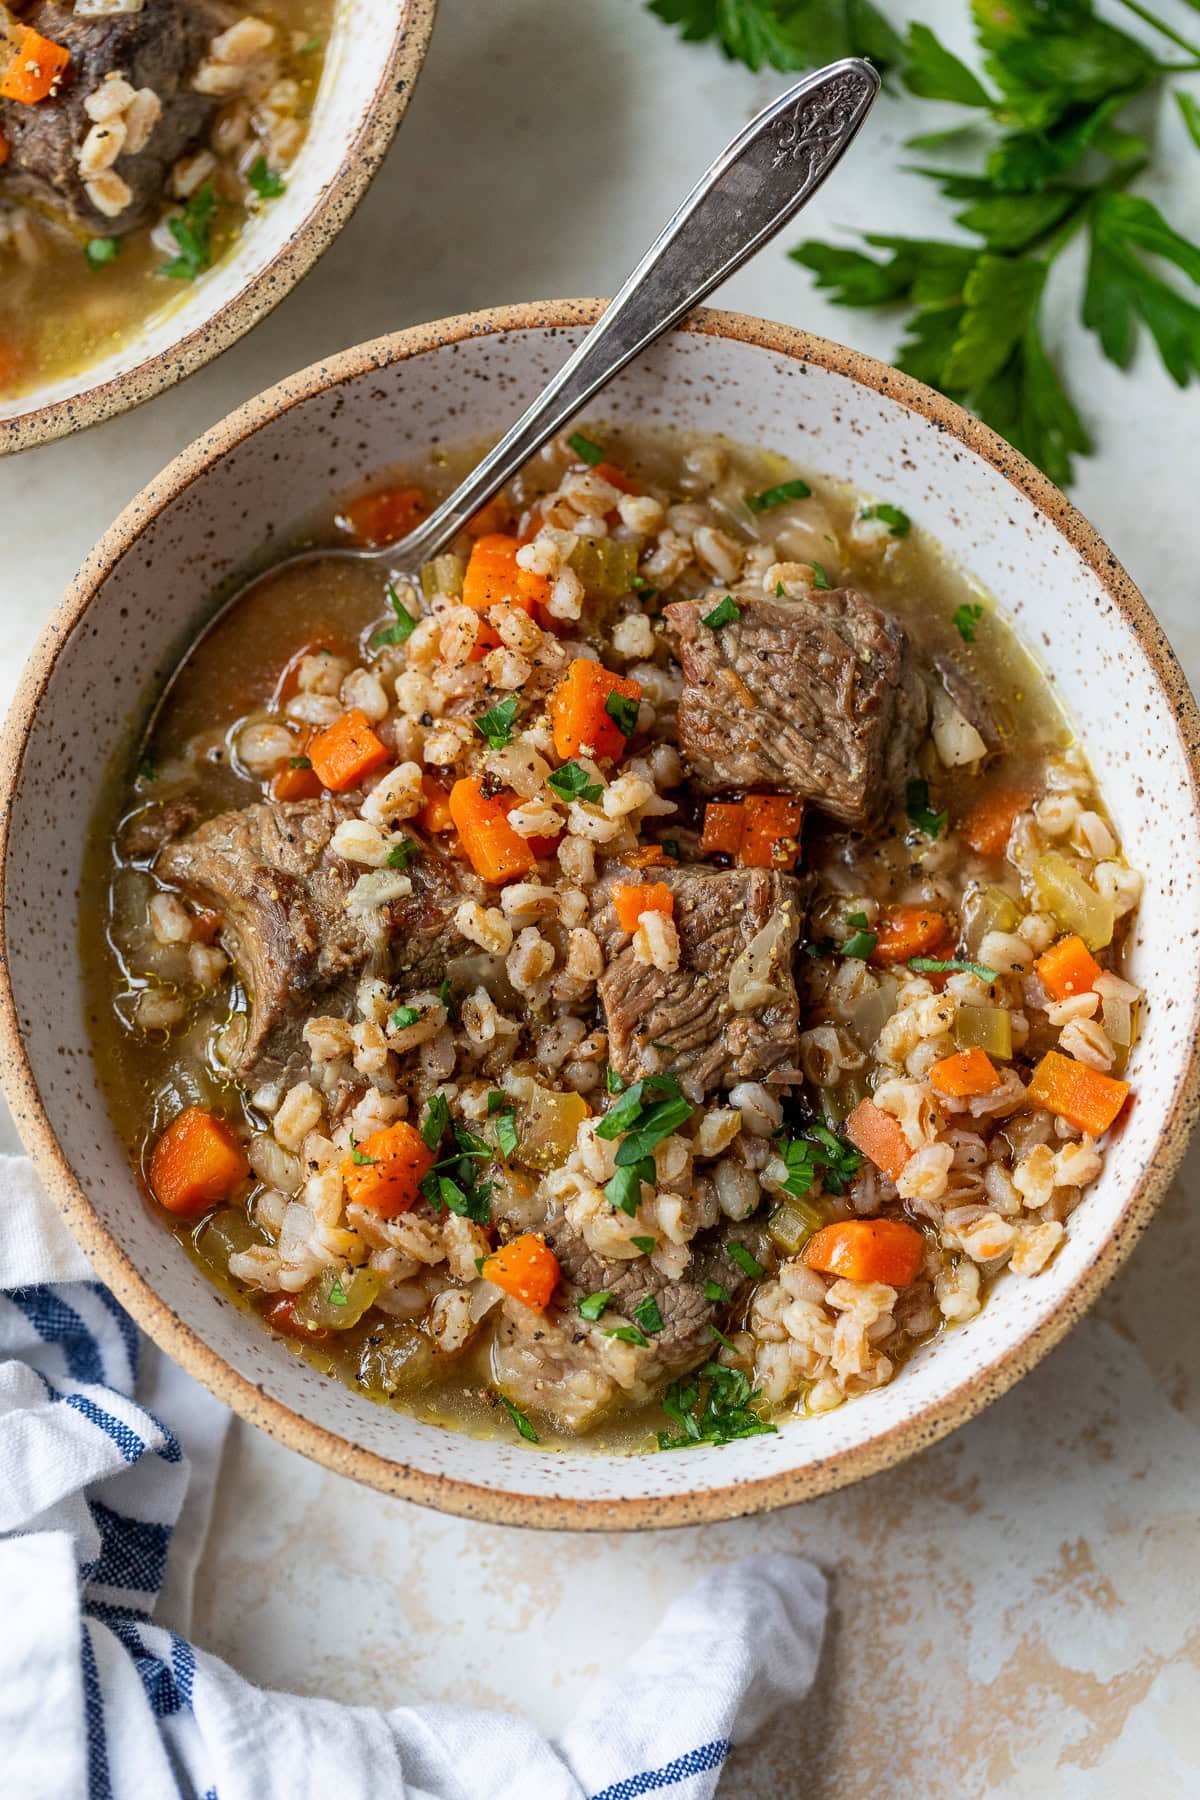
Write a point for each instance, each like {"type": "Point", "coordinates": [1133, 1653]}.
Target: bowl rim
{"type": "Point", "coordinates": [336, 199]}
{"type": "Point", "coordinates": [451, 1494]}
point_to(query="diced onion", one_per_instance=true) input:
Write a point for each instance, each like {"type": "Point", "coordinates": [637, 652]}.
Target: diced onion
{"type": "Point", "coordinates": [754, 979]}
{"type": "Point", "coordinates": [377, 889]}
{"type": "Point", "coordinates": [955, 738]}
{"type": "Point", "coordinates": [1117, 1015]}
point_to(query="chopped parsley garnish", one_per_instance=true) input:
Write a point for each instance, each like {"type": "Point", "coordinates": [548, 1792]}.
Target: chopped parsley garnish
{"type": "Point", "coordinates": [299, 762]}
{"type": "Point", "coordinates": [644, 1244]}
{"type": "Point", "coordinates": [614, 1083]}
{"type": "Point", "coordinates": [507, 1136]}
{"type": "Point", "coordinates": [714, 1406]}
{"type": "Point", "coordinates": [897, 522]}
{"type": "Point", "coordinates": [446, 997]}
{"type": "Point", "coordinates": [437, 1118]}
{"type": "Point", "coordinates": [192, 231]}
{"type": "Point", "coordinates": [647, 1315]}
{"type": "Point", "coordinates": [404, 1016]}
{"type": "Point", "coordinates": [592, 1306]}
{"type": "Point", "coordinates": [931, 965]}
{"type": "Point", "coordinates": [100, 251]}
{"type": "Point", "coordinates": [623, 712]}
{"type": "Point", "coordinates": [820, 578]}
{"type": "Point", "coordinates": [624, 1190]}
{"type": "Point", "coordinates": [779, 590]}
{"type": "Point", "coordinates": [862, 942]}
{"type": "Point", "coordinates": [314, 43]}
{"type": "Point", "coordinates": [655, 1124]}
{"type": "Point", "coordinates": [572, 782]}
{"type": "Point", "coordinates": [965, 620]}
{"type": "Point", "coordinates": [465, 1197]}
{"type": "Point", "coordinates": [497, 725]}
{"type": "Point", "coordinates": [629, 1334]}
{"type": "Point", "coordinates": [337, 1293]}
{"type": "Point", "coordinates": [749, 1265]}
{"type": "Point", "coordinates": [723, 1340]}
{"type": "Point", "coordinates": [715, 1294]}
{"type": "Point", "coordinates": [264, 180]}
{"type": "Point", "coordinates": [519, 1420]}
{"type": "Point", "coordinates": [358, 1156]}
{"type": "Point", "coordinates": [916, 805]}
{"type": "Point", "coordinates": [816, 1151]}
{"type": "Point", "coordinates": [630, 1106]}
{"type": "Point", "coordinates": [819, 947]}
{"type": "Point", "coordinates": [147, 767]}
{"type": "Point", "coordinates": [775, 496]}
{"type": "Point", "coordinates": [725, 613]}
{"type": "Point", "coordinates": [405, 624]}
{"type": "Point", "coordinates": [671, 846]}
{"type": "Point", "coordinates": [400, 855]}
{"type": "Point", "coordinates": [585, 449]}
{"type": "Point", "coordinates": [645, 1114]}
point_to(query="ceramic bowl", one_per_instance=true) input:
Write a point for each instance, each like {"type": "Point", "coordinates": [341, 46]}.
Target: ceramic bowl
{"type": "Point", "coordinates": [373, 57]}
{"type": "Point", "coordinates": [146, 589]}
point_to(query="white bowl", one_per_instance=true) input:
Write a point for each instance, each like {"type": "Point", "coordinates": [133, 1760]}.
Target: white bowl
{"type": "Point", "coordinates": [372, 59]}
{"type": "Point", "coordinates": [145, 590]}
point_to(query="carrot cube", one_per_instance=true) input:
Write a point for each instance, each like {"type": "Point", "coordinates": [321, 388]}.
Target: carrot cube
{"type": "Point", "coordinates": [1084, 1097]}
{"type": "Point", "coordinates": [196, 1162]}
{"type": "Point", "coordinates": [496, 852]}
{"type": "Point", "coordinates": [580, 715]}
{"type": "Point", "coordinates": [385, 516]}
{"type": "Point", "coordinates": [526, 1268]}
{"type": "Point", "coordinates": [345, 754]}
{"type": "Point", "coordinates": [633, 899]}
{"type": "Point", "coordinates": [384, 1172]}
{"type": "Point", "coordinates": [1067, 968]}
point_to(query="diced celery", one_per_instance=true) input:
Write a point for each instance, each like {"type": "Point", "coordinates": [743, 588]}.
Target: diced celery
{"type": "Point", "coordinates": [605, 567]}
{"type": "Point", "coordinates": [1071, 901]}
{"type": "Point", "coordinates": [793, 1222]}
{"type": "Point", "coordinates": [547, 1125]}
{"type": "Point", "coordinates": [986, 1028]}
{"type": "Point", "coordinates": [444, 575]}
{"type": "Point", "coordinates": [839, 1101]}
{"type": "Point", "coordinates": [224, 1234]}
{"type": "Point", "coordinates": [337, 1299]}
{"type": "Point", "coordinates": [988, 909]}
{"type": "Point", "coordinates": [396, 1358]}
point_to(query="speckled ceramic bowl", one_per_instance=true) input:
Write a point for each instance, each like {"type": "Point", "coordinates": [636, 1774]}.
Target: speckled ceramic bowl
{"type": "Point", "coordinates": [143, 593]}
{"type": "Point", "coordinates": [374, 54]}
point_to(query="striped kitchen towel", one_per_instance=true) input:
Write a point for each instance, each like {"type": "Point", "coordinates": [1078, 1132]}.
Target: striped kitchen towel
{"type": "Point", "coordinates": [108, 1459]}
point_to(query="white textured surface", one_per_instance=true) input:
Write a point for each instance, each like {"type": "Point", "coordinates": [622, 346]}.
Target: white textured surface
{"type": "Point", "coordinates": [1016, 1612]}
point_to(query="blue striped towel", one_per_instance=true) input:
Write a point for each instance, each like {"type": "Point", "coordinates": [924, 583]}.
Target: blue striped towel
{"type": "Point", "coordinates": [108, 1459]}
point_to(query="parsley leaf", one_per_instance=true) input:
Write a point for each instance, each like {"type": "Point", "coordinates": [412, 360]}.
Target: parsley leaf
{"type": "Point", "coordinates": [192, 230]}
{"type": "Point", "coordinates": [446, 997]}
{"type": "Point", "coordinates": [437, 1118]}
{"type": "Point", "coordinates": [748, 1264]}
{"type": "Point", "coordinates": [916, 805]}
{"type": "Point", "coordinates": [714, 1406]}
{"type": "Point", "coordinates": [101, 250]}
{"type": "Point", "coordinates": [860, 944]}
{"type": "Point", "coordinates": [776, 496]}
{"type": "Point", "coordinates": [623, 712]}
{"type": "Point", "coordinates": [404, 1016]}
{"type": "Point", "coordinates": [592, 1305]}
{"type": "Point", "coordinates": [401, 854]}
{"type": "Point", "coordinates": [263, 179]}
{"type": "Point", "coordinates": [497, 725]}
{"type": "Point", "coordinates": [614, 1083]}
{"type": "Point", "coordinates": [572, 782]}
{"type": "Point", "coordinates": [524, 1428]}
{"type": "Point", "coordinates": [299, 762]}
{"type": "Point", "coordinates": [645, 1244]}
{"type": "Point", "coordinates": [932, 965]}
{"type": "Point", "coordinates": [648, 1316]}
{"type": "Point", "coordinates": [405, 623]}
{"type": "Point", "coordinates": [655, 1124]}
{"type": "Point", "coordinates": [629, 1334]}
{"type": "Point", "coordinates": [715, 1294]}
{"type": "Point", "coordinates": [507, 1136]}
{"type": "Point", "coordinates": [966, 618]}
{"type": "Point", "coordinates": [337, 1293]}
{"type": "Point", "coordinates": [785, 34]}
{"type": "Point", "coordinates": [724, 613]}
{"type": "Point", "coordinates": [585, 449]}
{"type": "Point", "coordinates": [624, 1189]}
{"type": "Point", "coordinates": [897, 522]}
{"type": "Point", "coordinates": [1122, 290]}
{"type": "Point", "coordinates": [820, 578]}
{"type": "Point", "coordinates": [816, 1151]}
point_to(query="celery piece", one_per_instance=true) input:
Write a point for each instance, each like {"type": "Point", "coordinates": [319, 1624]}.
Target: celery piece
{"type": "Point", "coordinates": [1071, 901]}
{"type": "Point", "coordinates": [792, 1224]}
{"type": "Point", "coordinates": [988, 909]}
{"type": "Point", "coordinates": [605, 567]}
{"type": "Point", "coordinates": [839, 1101]}
{"type": "Point", "coordinates": [985, 1028]}
{"type": "Point", "coordinates": [444, 575]}
{"type": "Point", "coordinates": [335, 1300]}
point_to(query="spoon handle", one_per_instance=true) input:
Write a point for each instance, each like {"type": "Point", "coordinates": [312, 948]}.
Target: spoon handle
{"type": "Point", "coordinates": [757, 184]}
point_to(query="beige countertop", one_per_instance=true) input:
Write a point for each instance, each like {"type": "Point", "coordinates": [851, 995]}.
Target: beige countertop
{"type": "Point", "coordinates": [1018, 1611]}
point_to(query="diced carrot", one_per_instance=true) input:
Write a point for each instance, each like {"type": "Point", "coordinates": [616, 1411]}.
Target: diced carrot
{"type": "Point", "coordinates": [196, 1162]}
{"type": "Point", "coordinates": [540, 845]}
{"type": "Point", "coordinates": [4, 149]}
{"type": "Point", "coordinates": [646, 856]}
{"type": "Point", "coordinates": [526, 1268]}
{"type": "Point", "coordinates": [346, 753]}
{"type": "Point", "coordinates": [384, 1171]}
{"type": "Point", "coordinates": [965, 1073]}
{"type": "Point", "coordinates": [988, 825]}
{"type": "Point", "coordinates": [633, 899]}
{"type": "Point", "coordinates": [35, 69]}
{"type": "Point", "coordinates": [908, 931]}
{"type": "Point", "coordinates": [1083, 1097]}
{"type": "Point", "coordinates": [495, 516]}
{"type": "Point", "coordinates": [384, 516]}
{"type": "Point", "coordinates": [724, 824]}
{"type": "Point", "coordinates": [879, 1137]}
{"type": "Point", "coordinates": [1068, 968]}
{"type": "Point", "coordinates": [577, 710]}
{"type": "Point", "coordinates": [495, 578]}
{"type": "Point", "coordinates": [496, 852]}
{"type": "Point", "coordinates": [288, 783]}
{"type": "Point", "coordinates": [618, 478]}
{"type": "Point", "coordinates": [205, 924]}
{"type": "Point", "coordinates": [435, 813]}
{"type": "Point", "coordinates": [771, 838]}
{"type": "Point", "coordinates": [281, 1316]}
{"type": "Point", "coordinates": [885, 1250]}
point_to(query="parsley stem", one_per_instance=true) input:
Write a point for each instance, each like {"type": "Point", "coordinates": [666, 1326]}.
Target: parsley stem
{"type": "Point", "coordinates": [1156, 24]}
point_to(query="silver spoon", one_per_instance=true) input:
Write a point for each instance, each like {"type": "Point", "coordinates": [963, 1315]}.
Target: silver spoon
{"type": "Point", "coordinates": [757, 184]}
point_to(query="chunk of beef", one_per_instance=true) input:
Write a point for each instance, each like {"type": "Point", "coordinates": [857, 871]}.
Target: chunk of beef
{"type": "Point", "coordinates": [157, 48]}
{"type": "Point", "coordinates": [298, 945]}
{"type": "Point", "coordinates": [714, 1037]}
{"type": "Point", "coordinates": [144, 833]}
{"type": "Point", "coordinates": [820, 698]}
{"type": "Point", "coordinates": [559, 1364]}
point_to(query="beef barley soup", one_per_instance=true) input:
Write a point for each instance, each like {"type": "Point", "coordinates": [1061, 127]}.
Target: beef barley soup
{"type": "Point", "coordinates": [137, 137]}
{"type": "Point", "coordinates": [636, 984]}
